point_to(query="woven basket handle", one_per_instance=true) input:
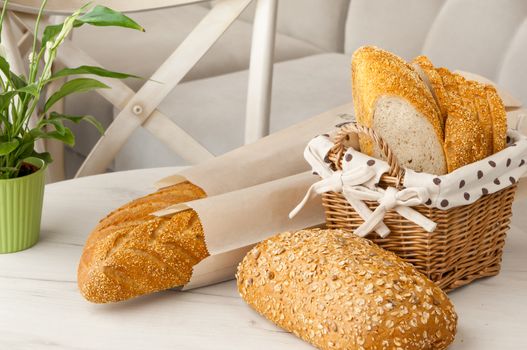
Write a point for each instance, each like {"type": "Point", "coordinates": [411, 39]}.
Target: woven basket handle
{"type": "Point", "coordinates": [337, 151]}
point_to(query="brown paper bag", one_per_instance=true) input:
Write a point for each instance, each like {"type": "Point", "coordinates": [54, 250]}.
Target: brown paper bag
{"type": "Point", "coordinates": [233, 222]}
{"type": "Point", "coordinates": [273, 157]}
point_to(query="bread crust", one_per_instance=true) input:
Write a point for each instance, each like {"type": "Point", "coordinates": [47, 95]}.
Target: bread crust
{"type": "Point", "coordinates": [438, 90]}
{"type": "Point", "coordinates": [375, 73]}
{"type": "Point", "coordinates": [499, 118]}
{"type": "Point", "coordinates": [338, 291]}
{"type": "Point", "coordinates": [155, 255]}
{"type": "Point", "coordinates": [478, 92]}
{"type": "Point", "coordinates": [131, 252]}
{"type": "Point", "coordinates": [465, 142]}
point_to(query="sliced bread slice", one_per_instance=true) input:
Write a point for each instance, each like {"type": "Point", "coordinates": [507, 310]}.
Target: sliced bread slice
{"type": "Point", "coordinates": [390, 97]}
{"type": "Point", "coordinates": [464, 137]}
{"type": "Point", "coordinates": [478, 93]}
{"type": "Point", "coordinates": [499, 118]}
{"type": "Point", "coordinates": [433, 80]}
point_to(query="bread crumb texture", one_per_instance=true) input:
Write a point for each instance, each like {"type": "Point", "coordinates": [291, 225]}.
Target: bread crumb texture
{"type": "Point", "coordinates": [338, 291]}
{"type": "Point", "coordinates": [376, 73]}
{"type": "Point", "coordinates": [468, 117]}
{"type": "Point", "coordinates": [132, 253]}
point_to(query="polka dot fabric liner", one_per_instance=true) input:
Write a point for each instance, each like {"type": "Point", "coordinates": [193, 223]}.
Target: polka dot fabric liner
{"type": "Point", "coordinates": [460, 187]}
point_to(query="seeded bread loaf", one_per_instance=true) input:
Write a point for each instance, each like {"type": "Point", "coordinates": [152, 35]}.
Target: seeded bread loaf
{"type": "Point", "coordinates": [465, 141]}
{"type": "Point", "coordinates": [131, 253]}
{"type": "Point", "coordinates": [390, 97]}
{"type": "Point", "coordinates": [433, 80]}
{"type": "Point", "coordinates": [474, 116]}
{"type": "Point", "coordinates": [338, 291]}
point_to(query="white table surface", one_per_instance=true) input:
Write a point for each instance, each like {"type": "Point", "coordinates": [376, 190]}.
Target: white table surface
{"type": "Point", "coordinates": [41, 308]}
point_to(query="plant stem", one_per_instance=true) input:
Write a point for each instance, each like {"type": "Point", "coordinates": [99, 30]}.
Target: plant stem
{"type": "Point", "coordinates": [4, 9]}
{"type": "Point", "coordinates": [34, 63]}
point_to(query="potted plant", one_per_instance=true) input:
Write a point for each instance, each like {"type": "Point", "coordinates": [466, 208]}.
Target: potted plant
{"type": "Point", "coordinates": [22, 99]}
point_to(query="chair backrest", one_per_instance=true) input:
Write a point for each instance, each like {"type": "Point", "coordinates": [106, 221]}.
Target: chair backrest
{"type": "Point", "coordinates": [318, 22]}
{"type": "Point", "coordinates": [68, 6]}
{"type": "Point", "coordinates": [487, 37]}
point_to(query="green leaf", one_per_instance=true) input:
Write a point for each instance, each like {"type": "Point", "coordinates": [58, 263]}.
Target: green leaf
{"type": "Point", "coordinates": [31, 89]}
{"type": "Point", "coordinates": [73, 86]}
{"type": "Point", "coordinates": [5, 99]}
{"type": "Point", "coordinates": [77, 119]}
{"type": "Point", "coordinates": [4, 66]}
{"type": "Point", "coordinates": [92, 70]}
{"type": "Point", "coordinates": [26, 147]}
{"type": "Point", "coordinates": [8, 147]}
{"type": "Point", "coordinates": [17, 81]}
{"type": "Point", "coordinates": [104, 16]}
{"type": "Point", "coordinates": [98, 16]}
{"type": "Point", "coordinates": [51, 31]}
{"type": "Point", "coordinates": [67, 136]}
{"type": "Point", "coordinates": [45, 156]}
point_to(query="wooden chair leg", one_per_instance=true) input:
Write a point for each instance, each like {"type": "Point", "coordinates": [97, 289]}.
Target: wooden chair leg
{"type": "Point", "coordinates": [261, 71]}
{"type": "Point", "coordinates": [139, 108]}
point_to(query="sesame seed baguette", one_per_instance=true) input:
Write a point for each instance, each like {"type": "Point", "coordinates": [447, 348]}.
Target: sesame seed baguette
{"type": "Point", "coordinates": [151, 255]}
{"type": "Point", "coordinates": [390, 97]}
{"type": "Point", "coordinates": [129, 241]}
{"type": "Point", "coordinates": [144, 206]}
{"type": "Point", "coordinates": [338, 291]}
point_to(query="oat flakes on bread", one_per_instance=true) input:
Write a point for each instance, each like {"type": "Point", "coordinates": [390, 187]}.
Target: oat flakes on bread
{"type": "Point", "coordinates": [339, 291]}
{"type": "Point", "coordinates": [390, 97]}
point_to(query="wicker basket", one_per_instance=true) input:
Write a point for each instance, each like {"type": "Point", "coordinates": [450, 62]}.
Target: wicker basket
{"type": "Point", "coordinates": [467, 243]}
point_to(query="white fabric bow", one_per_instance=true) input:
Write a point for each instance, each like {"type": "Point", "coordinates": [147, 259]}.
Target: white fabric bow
{"type": "Point", "coordinates": [350, 184]}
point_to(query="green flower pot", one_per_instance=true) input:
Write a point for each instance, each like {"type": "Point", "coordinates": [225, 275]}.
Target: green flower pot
{"type": "Point", "coordinates": [21, 209]}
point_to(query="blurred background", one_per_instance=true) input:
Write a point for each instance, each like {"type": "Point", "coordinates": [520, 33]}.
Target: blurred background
{"type": "Point", "coordinates": [313, 47]}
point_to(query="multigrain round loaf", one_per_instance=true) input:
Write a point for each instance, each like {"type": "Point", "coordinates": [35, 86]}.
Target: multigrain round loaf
{"type": "Point", "coordinates": [131, 252]}
{"type": "Point", "coordinates": [390, 97]}
{"type": "Point", "coordinates": [338, 291]}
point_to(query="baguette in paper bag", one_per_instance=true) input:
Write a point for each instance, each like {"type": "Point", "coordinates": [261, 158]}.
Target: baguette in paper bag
{"type": "Point", "coordinates": [193, 244]}
{"type": "Point", "coordinates": [270, 158]}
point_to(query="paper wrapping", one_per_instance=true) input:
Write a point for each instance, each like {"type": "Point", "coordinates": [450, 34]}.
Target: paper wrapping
{"type": "Point", "coordinates": [233, 222]}
{"type": "Point", "coordinates": [273, 157]}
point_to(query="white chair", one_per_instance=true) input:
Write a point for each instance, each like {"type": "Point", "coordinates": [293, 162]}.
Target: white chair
{"type": "Point", "coordinates": [140, 109]}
